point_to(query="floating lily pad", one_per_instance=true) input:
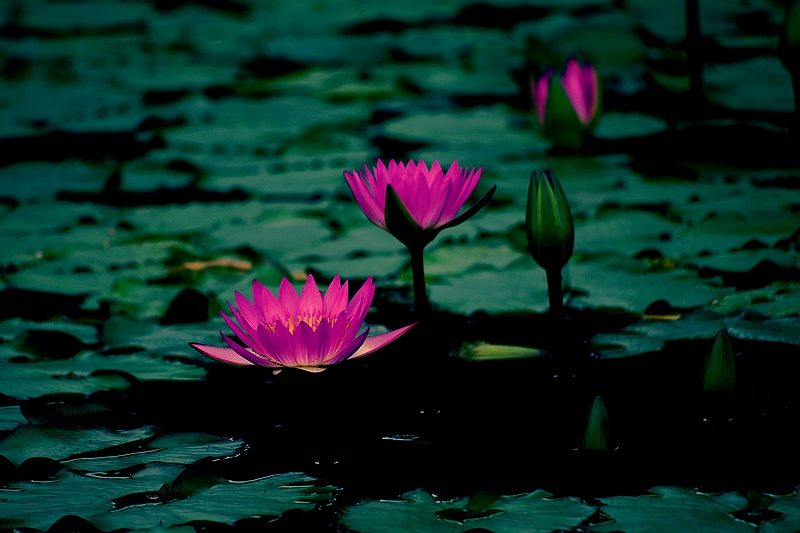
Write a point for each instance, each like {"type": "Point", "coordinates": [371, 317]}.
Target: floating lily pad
{"type": "Point", "coordinates": [632, 285]}
{"type": "Point", "coordinates": [79, 374]}
{"type": "Point", "coordinates": [29, 440]}
{"type": "Point", "coordinates": [420, 512]}
{"type": "Point", "coordinates": [10, 417]}
{"type": "Point", "coordinates": [671, 509]}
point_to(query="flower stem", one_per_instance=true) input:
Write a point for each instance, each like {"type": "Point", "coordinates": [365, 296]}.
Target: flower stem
{"type": "Point", "coordinates": [554, 291]}
{"type": "Point", "coordinates": [418, 272]}
{"type": "Point", "coordinates": [795, 125]}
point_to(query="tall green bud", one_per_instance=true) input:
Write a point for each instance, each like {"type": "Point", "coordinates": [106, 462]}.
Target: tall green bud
{"type": "Point", "coordinates": [596, 436]}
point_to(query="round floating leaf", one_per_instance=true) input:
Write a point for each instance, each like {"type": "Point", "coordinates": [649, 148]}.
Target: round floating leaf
{"type": "Point", "coordinates": [419, 512]}
{"type": "Point", "coordinates": [671, 509]}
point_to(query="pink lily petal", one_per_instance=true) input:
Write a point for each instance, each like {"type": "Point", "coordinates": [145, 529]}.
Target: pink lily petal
{"type": "Point", "coordinates": [348, 350]}
{"type": "Point", "coordinates": [247, 310]}
{"type": "Point", "coordinates": [249, 355]}
{"type": "Point", "coordinates": [379, 341]}
{"type": "Point", "coordinates": [246, 334]}
{"type": "Point", "coordinates": [310, 304]}
{"type": "Point", "coordinates": [269, 306]}
{"type": "Point", "coordinates": [314, 369]}
{"type": "Point", "coordinates": [226, 355]}
{"type": "Point", "coordinates": [365, 197]}
{"type": "Point", "coordinates": [540, 88]}
{"type": "Point", "coordinates": [280, 344]}
{"type": "Point", "coordinates": [287, 296]}
{"type": "Point", "coordinates": [335, 298]}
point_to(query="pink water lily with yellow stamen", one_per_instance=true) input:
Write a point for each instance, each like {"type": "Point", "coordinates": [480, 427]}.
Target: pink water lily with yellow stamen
{"type": "Point", "coordinates": [308, 331]}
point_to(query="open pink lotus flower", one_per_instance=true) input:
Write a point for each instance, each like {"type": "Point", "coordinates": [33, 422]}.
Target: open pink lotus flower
{"type": "Point", "coordinates": [580, 85]}
{"type": "Point", "coordinates": [430, 198]}
{"type": "Point", "coordinates": [308, 331]}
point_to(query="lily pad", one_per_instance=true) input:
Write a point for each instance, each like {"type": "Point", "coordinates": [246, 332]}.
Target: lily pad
{"type": "Point", "coordinates": [419, 512]}
{"type": "Point", "coordinates": [79, 374]}
{"type": "Point", "coordinates": [671, 509]}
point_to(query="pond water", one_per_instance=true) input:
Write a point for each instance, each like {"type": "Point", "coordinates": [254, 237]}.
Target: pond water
{"type": "Point", "coordinates": [157, 156]}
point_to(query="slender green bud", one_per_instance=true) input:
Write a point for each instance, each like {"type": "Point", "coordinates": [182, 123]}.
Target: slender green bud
{"type": "Point", "coordinates": [719, 374]}
{"type": "Point", "coordinates": [548, 222]}
{"type": "Point", "coordinates": [596, 436]}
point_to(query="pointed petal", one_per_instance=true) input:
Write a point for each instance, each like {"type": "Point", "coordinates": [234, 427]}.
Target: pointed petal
{"type": "Point", "coordinates": [379, 341]}
{"type": "Point", "coordinates": [310, 299]}
{"type": "Point", "coordinates": [226, 355]}
{"type": "Point", "coordinates": [540, 89]}
{"type": "Point", "coordinates": [267, 304]}
{"type": "Point", "coordinates": [359, 305]}
{"type": "Point", "coordinates": [305, 344]}
{"type": "Point", "coordinates": [471, 211]}
{"type": "Point", "coordinates": [366, 197]}
{"type": "Point", "coordinates": [335, 300]}
{"type": "Point", "coordinates": [246, 310]}
{"type": "Point", "coordinates": [314, 369]}
{"type": "Point", "coordinates": [278, 344]}
{"type": "Point", "coordinates": [349, 349]}
{"type": "Point", "coordinates": [247, 354]}
{"type": "Point", "coordinates": [287, 296]}
{"type": "Point", "coordinates": [245, 334]}
{"type": "Point", "coordinates": [323, 345]}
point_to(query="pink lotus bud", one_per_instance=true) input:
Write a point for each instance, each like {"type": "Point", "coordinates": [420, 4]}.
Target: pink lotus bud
{"type": "Point", "coordinates": [567, 105]}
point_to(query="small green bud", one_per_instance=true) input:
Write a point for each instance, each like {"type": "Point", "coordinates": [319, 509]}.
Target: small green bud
{"type": "Point", "coordinates": [548, 222]}
{"type": "Point", "coordinates": [596, 436]}
{"type": "Point", "coordinates": [719, 374]}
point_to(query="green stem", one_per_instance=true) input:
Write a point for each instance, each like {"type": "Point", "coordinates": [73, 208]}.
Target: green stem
{"type": "Point", "coordinates": [795, 126]}
{"type": "Point", "coordinates": [554, 292]}
{"type": "Point", "coordinates": [418, 272]}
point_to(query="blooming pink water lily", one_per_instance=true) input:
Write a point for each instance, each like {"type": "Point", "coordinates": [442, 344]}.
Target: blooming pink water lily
{"type": "Point", "coordinates": [414, 203]}
{"type": "Point", "coordinates": [308, 331]}
{"type": "Point", "coordinates": [431, 196]}
{"type": "Point", "coordinates": [580, 84]}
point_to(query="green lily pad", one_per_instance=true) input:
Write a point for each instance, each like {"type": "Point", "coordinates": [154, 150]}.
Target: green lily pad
{"type": "Point", "coordinates": [419, 512]}
{"type": "Point", "coordinates": [632, 285]}
{"type": "Point", "coordinates": [28, 440]}
{"type": "Point", "coordinates": [80, 374]}
{"type": "Point", "coordinates": [769, 87]}
{"type": "Point", "coordinates": [171, 448]}
{"type": "Point", "coordinates": [497, 294]}
{"type": "Point", "coordinates": [789, 506]}
{"type": "Point", "coordinates": [614, 125]}
{"type": "Point", "coordinates": [777, 300]}
{"type": "Point", "coordinates": [10, 417]}
{"type": "Point", "coordinates": [673, 509]}
{"type": "Point", "coordinates": [650, 335]}
{"type": "Point", "coordinates": [481, 132]}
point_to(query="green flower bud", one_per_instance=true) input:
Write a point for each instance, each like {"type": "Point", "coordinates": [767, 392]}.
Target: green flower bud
{"type": "Point", "coordinates": [548, 222]}
{"type": "Point", "coordinates": [719, 374]}
{"type": "Point", "coordinates": [596, 436]}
